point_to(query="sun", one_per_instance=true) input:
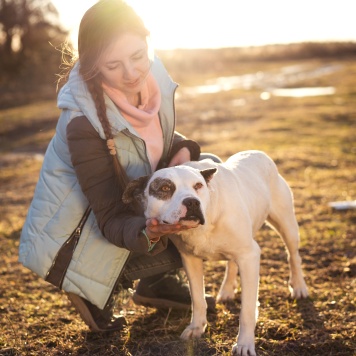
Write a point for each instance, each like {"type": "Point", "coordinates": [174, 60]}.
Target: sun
{"type": "Point", "coordinates": [188, 24]}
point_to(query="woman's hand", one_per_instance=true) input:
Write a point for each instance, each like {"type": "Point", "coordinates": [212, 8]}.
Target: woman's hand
{"type": "Point", "coordinates": [155, 230]}
{"type": "Point", "coordinates": [182, 156]}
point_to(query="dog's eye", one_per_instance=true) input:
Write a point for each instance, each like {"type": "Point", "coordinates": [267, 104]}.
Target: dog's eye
{"type": "Point", "coordinates": [198, 186]}
{"type": "Point", "coordinates": [165, 188]}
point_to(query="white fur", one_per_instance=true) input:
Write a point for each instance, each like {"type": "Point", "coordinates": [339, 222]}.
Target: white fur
{"type": "Point", "coordinates": [245, 192]}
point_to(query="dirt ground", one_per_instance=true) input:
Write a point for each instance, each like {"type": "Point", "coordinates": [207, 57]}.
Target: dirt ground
{"type": "Point", "coordinates": [313, 141]}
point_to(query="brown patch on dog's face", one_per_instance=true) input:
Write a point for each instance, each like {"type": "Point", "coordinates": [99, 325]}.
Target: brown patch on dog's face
{"type": "Point", "coordinates": [162, 188]}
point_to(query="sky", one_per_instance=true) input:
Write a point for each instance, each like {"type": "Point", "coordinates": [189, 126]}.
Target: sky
{"type": "Point", "coordinates": [231, 23]}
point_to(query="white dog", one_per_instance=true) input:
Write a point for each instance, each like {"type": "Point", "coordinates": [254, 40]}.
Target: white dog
{"type": "Point", "coordinates": [227, 203]}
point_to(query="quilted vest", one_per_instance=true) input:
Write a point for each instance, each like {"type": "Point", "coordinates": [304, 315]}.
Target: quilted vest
{"type": "Point", "coordinates": [58, 203]}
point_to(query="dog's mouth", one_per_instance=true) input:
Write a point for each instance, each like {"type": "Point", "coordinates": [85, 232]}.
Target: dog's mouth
{"type": "Point", "coordinates": [193, 219]}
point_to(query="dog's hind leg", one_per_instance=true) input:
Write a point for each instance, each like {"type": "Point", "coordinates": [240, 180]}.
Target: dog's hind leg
{"type": "Point", "coordinates": [282, 219]}
{"type": "Point", "coordinates": [229, 284]}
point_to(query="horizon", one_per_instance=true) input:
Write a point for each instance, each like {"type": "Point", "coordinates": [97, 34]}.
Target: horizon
{"type": "Point", "coordinates": [263, 23]}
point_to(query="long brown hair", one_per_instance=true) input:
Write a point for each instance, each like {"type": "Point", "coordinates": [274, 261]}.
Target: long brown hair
{"type": "Point", "coordinates": [102, 23]}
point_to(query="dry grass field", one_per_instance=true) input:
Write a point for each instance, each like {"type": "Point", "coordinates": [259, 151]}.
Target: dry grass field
{"type": "Point", "coordinates": [313, 141]}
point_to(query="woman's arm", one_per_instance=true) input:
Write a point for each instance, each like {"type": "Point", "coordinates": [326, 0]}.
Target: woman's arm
{"type": "Point", "coordinates": [94, 169]}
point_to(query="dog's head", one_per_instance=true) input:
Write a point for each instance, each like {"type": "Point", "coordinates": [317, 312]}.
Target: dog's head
{"type": "Point", "coordinates": [172, 195]}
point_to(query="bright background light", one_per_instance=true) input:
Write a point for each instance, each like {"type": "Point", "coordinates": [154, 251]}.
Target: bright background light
{"type": "Point", "coordinates": [231, 23]}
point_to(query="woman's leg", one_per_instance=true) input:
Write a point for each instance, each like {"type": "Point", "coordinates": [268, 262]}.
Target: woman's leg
{"type": "Point", "coordinates": [160, 284]}
{"type": "Point", "coordinates": [143, 266]}
{"type": "Point", "coordinates": [213, 157]}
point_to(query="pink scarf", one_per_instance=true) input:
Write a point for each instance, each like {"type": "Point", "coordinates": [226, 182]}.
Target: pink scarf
{"type": "Point", "coordinates": [144, 119]}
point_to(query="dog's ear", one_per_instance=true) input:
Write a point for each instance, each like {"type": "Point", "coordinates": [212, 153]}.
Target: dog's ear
{"type": "Point", "coordinates": [134, 190]}
{"type": "Point", "coordinates": [208, 174]}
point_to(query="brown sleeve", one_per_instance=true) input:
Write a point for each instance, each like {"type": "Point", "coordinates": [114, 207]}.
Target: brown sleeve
{"type": "Point", "coordinates": [94, 169]}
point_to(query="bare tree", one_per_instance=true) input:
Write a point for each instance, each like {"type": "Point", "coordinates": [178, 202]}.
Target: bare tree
{"type": "Point", "coordinates": [30, 34]}
{"type": "Point", "coordinates": [27, 27]}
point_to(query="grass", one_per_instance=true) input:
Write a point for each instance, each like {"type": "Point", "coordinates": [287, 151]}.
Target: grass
{"type": "Point", "coordinates": [313, 141]}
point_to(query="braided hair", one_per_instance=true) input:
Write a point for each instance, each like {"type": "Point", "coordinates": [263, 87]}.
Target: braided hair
{"type": "Point", "coordinates": [96, 91]}
{"type": "Point", "coordinates": [102, 23]}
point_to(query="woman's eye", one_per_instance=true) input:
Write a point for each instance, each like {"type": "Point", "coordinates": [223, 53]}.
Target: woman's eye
{"type": "Point", "coordinates": [114, 65]}
{"type": "Point", "coordinates": [198, 186]}
{"type": "Point", "coordinates": [137, 58]}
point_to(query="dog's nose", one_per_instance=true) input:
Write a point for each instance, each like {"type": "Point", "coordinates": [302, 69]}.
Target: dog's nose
{"type": "Point", "coordinates": [193, 210]}
{"type": "Point", "coordinates": [191, 203]}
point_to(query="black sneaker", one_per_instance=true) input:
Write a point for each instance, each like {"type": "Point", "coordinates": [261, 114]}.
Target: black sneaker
{"type": "Point", "coordinates": [166, 291]}
{"type": "Point", "coordinates": [98, 320]}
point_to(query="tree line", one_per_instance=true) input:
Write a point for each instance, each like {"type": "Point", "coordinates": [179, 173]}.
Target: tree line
{"type": "Point", "coordinates": [30, 40]}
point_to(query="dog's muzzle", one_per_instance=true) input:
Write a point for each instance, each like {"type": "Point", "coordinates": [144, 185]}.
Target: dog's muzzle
{"type": "Point", "coordinates": [194, 212]}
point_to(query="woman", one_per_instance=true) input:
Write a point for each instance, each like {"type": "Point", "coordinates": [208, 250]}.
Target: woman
{"type": "Point", "coordinates": [117, 123]}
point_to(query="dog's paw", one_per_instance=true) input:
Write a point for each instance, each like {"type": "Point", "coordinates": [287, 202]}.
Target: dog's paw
{"type": "Point", "coordinates": [298, 290]}
{"type": "Point", "coordinates": [192, 331]}
{"type": "Point", "coordinates": [225, 296]}
{"type": "Point", "coordinates": [243, 350]}
{"type": "Point", "coordinates": [227, 292]}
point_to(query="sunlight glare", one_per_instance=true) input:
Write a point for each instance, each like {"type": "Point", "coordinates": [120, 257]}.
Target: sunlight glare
{"type": "Point", "coordinates": [230, 23]}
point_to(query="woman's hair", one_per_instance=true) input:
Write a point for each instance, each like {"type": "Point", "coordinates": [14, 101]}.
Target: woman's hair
{"type": "Point", "coordinates": [100, 25]}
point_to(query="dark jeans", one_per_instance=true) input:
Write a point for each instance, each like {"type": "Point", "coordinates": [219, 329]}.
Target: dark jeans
{"type": "Point", "coordinates": [143, 266]}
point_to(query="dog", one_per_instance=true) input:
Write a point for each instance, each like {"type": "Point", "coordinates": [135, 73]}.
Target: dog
{"type": "Point", "coordinates": [224, 204]}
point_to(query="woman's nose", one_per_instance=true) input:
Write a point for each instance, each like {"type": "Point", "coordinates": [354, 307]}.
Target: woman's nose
{"type": "Point", "coordinates": [129, 71]}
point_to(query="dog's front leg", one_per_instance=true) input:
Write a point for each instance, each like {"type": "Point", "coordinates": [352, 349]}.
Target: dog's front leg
{"type": "Point", "coordinates": [249, 266]}
{"type": "Point", "coordinates": [194, 269]}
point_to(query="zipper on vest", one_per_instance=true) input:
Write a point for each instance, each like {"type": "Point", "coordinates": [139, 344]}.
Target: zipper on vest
{"type": "Point", "coordinates": [129, 134]}
{"type": "Point", "coordinates": [174, 121]}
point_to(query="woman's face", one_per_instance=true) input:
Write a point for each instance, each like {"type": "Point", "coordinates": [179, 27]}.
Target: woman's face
{"type": "Point", "coordinates": [125, 65]}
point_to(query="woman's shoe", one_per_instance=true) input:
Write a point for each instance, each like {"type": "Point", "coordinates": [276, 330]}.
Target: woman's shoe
{"type": "Point", "coordinates": [166, 291]}
{"type": "Point", "coordinates": [98, 320]}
